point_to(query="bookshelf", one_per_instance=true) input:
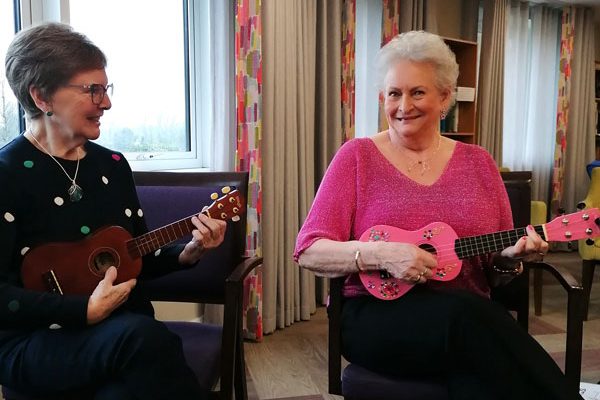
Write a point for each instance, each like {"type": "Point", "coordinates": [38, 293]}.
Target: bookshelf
{"type": "Point", "coordinates": [597, 95]}
{"type": "Point", "coordinates": [461, 123]}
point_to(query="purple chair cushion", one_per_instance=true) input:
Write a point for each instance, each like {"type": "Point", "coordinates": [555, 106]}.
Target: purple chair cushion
{"type": "Point", "coordinates": [208, 276]}
{"type": "Point", "coordinates": [202, 349]}
{"type": "Point", "coordinates": [360, 383]}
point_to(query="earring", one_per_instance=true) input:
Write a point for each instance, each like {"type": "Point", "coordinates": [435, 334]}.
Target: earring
{"type": "Point", "coordinates": [443, 114]}
{"type": "Point", "coordinates": [49, 113]}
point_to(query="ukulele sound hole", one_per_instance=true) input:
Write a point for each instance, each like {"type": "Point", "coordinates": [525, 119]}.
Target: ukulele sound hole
{"type": "Point", "coordinates": [101, 260]}
{"type": "Point", "coordinates": [428, 248]}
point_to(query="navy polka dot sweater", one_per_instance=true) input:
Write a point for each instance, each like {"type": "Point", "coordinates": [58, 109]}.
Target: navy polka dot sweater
{"type": "Point", "coordinates": [35, 209]}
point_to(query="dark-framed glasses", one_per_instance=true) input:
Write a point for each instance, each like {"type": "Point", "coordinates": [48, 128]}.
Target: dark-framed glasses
{"type": "Point", "coordinates": [96, 90]}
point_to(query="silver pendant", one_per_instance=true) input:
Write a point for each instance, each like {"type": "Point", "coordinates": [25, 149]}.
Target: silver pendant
{"type": "Point", "coordinates": [75, 192]}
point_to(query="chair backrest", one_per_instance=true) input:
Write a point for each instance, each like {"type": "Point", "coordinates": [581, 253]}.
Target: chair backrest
{"type": "Point", "coordinates": [514, 295]}
{"type": "Point", "coordinates": [186, 194]}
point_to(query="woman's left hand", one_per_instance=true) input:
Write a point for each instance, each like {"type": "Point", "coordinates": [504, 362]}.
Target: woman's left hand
{"type": "Point", "coordinates": [209, 233]}
{"type": "Point", "coordinates": [529, 248]}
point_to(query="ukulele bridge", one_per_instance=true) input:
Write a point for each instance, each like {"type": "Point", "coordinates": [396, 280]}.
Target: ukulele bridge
{"type": "Point", "coordinates": [51, 282]}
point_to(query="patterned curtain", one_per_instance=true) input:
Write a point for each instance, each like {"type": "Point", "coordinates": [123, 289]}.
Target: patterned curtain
{"type": "Point", "coordinates": [348, 68]}
{"type": "Point", "coordinates": [248, 89]}
{"type": "Point", "coordinates": [562, 114]}
{"type": "Point", "coordinates": [390, 27]}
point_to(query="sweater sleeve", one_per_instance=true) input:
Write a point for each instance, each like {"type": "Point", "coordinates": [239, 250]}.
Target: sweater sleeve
{"type": "Point", "coordinates": [22, 308]}
{"type": "Point", "coordinates": [332, 213]}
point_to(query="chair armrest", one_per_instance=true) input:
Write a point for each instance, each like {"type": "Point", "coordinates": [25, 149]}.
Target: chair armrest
{"type": "Point", "coordinates": [562, 275]}
{"type": "Point", "coordinates": [575, 305]}
{"type": "Point", "coordinates": [243, 269]}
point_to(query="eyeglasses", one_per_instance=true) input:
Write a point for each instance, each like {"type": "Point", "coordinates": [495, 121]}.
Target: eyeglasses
{"type": "Point", "coordinates": [96, 90]}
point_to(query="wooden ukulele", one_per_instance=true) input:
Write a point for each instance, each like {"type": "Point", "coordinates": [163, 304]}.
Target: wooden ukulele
{"type": "Point", "coordinates": [439, 239]}
{"type": "Point", "coordinates": [77, 267]}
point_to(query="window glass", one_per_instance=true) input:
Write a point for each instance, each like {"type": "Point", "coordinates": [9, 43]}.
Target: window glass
{"type": "Point", "coordinates": [145, 46]}
{"type": "Point", "coordinates": [9, 116]}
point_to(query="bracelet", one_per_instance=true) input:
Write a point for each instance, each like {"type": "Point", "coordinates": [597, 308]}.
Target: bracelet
{"type": "Point", "coordinates": [513, 271]}
{"type": "Point", "coordinates": [356, 255]}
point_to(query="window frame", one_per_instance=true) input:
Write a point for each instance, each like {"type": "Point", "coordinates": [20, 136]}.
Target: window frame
{"type": "Point", "coordinates": [197, 21]}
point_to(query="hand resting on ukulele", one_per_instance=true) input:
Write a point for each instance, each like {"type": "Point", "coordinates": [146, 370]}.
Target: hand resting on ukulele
{"type": "Point", "coordinates": [107, 297]}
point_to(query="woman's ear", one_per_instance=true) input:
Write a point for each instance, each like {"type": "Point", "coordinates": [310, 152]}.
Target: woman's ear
{"type": "Point", "coordinates": [445, 98]}
{"type": "Point", "coordinates": [40, 101]}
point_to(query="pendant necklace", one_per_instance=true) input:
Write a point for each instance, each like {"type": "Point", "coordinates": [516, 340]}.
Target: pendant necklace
{"type": "Point", "coordinates": [75, 191]}
{"type": "Point", "coordinates": [424, 164]}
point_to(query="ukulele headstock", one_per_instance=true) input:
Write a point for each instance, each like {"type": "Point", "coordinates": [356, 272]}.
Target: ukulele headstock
{"type": "Point", "coordinates": [229, 206]}
{"type": "Point", "coordinates": [584, 224]}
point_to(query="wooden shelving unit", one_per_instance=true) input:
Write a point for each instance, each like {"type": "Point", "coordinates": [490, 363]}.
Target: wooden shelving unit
{"type": "Point", "coordinates": [597, 94]}
{"type": "Point", "coordinates": [466, 57]}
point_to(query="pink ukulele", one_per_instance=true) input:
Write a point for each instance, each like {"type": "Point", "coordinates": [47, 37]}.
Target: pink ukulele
{"type": "Point", "coordinates": [440, 239]}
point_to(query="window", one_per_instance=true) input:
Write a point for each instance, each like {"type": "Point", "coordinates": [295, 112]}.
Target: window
{"type": "Point", "coordinates": [9, 112]}
{"type": "Point", "coordinates": [171, 63]}
{"type": "Point", "coordinates": [147, 65]}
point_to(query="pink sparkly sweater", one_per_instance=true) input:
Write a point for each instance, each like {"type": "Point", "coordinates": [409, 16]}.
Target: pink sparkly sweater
{"type": "Point", "coordinates": [362, 188]}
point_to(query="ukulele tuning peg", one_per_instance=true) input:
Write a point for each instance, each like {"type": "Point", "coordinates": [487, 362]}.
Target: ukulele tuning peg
{"type": "Point", "coordinates": [214, 196]}
{"type": "Point", "coordinates": [580, 205]}
{"type": "Point", "coordinates": [561, 211]}
{"type": "Point", "coordinates": [226, 190]}
{"type": "Point", "coordinates": [589, 242]}
{"type": "Point", "coordinates": [236, 218]}
{"type": "Point", "coordinates": [597, 221]}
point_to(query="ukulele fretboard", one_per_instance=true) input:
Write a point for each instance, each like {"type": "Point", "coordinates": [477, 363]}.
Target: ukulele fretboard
{"type": "Point", "coordinates": [477, 245]}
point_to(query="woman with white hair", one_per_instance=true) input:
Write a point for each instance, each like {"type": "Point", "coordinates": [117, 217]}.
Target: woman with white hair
{"type": "Point", "coordinates": [409, 176]}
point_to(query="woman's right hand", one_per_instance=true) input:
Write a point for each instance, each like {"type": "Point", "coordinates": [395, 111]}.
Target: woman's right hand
{"type": "Point", "coordinates": [107, 297]}
{"type": "Point", "coordinates": [406, 261]}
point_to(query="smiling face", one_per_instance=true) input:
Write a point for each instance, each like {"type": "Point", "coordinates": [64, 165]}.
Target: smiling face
{"type": "Point", "coordinates": [74, 112]}
{"type": "Point", "coordinates": [412, 101]}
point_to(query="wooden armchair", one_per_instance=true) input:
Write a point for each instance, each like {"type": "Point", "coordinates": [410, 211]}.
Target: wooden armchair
{"type": "Point", "coordinates": [355, 382]}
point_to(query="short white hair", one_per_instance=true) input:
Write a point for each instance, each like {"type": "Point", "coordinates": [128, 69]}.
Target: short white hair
{"type": "Point", "coordinates": [420, 46]}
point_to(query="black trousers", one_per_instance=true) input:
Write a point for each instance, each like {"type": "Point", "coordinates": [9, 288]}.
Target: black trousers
{"type": "Point", "coordinates": [127, 356]}
{"type": "Point", "coordinates": [473, 342]}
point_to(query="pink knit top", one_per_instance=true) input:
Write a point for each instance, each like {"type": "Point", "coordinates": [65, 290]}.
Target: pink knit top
{"type": "Point", "coordinates": [361, 188]}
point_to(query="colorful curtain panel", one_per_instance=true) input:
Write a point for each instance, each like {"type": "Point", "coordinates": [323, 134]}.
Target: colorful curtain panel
{"type": "Point", "coordinates": [562, 114]}
{"type": "Point", "coordinates": [248, 88]}
{"type": "Point", "coordinates": [348, 54]}
{"type": "Point", "coordinates": [390, 27]}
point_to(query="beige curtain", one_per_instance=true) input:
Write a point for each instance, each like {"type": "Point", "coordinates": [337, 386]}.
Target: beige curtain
{"type": "Point", "coordinates": [581, 124]}
{"type": "Point", "coordinates": [412, 16]}
{"type": "Point", "coordinates": [301, 130]}
{"type": "Point", "coordinates": [491, 78]}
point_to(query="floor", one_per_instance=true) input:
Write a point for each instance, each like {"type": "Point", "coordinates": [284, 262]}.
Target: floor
{"type": "Point", "coordinates": [292, 363]}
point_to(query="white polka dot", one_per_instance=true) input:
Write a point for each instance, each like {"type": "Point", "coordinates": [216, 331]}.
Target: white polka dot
{"type": "Point", "coordinates": [55, 326]}
{"type": "Point", "coordinates": [105, 180]}
{"type": "Point", "coordinates": [128, 212]}
{"type": "Point", "coordinates": [140, 213]}
{"type": "Point", "coordinates": [157, 253]}
{"type": "Point", "coordinates": [9, 217]}
{"type": "Point", "coordinates": [24, 250]}
{"type": "Point", "coordinates": [59, 201]}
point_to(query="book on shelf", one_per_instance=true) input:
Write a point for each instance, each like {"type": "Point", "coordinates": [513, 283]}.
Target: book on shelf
{"type": "Point", "coordinates": [465, 93]}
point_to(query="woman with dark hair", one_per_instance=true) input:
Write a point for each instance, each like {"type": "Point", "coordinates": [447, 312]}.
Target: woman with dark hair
{"type": "Point", "coordinates": [59, 186]}
{"type": "Point", "coordinates": [409, 176]}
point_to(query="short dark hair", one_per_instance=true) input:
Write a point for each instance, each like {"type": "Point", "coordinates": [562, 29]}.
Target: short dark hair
{"type": "Point", "coordinates": [47, 56]}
